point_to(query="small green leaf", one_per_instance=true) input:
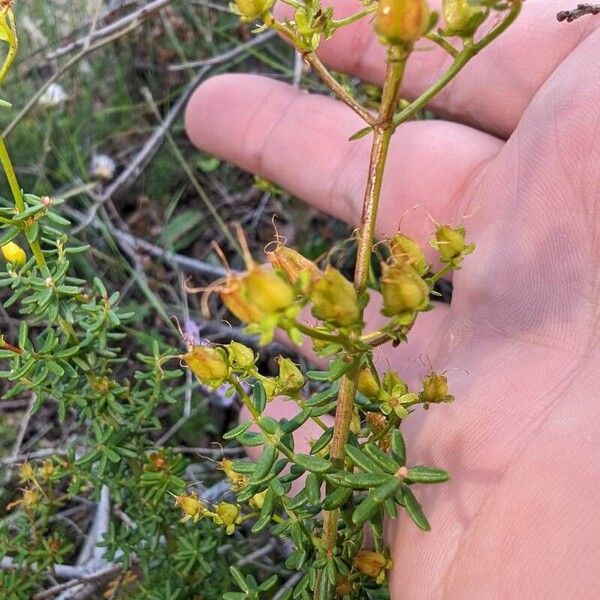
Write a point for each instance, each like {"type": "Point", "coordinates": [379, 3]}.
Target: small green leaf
{"type": "Point", "coordinates": [385, 461]}
{"type": "Point", "coordinates": [398, 447]}
{"type": "Point", "coordinates": [265, 462]}
{"type": "Point", "coordinates": [259, 396]}
{"type": "Point", "coordinates": [427, 475]}
{"type": "Point", "coordinates": [375, 498]}
{"type": "Point", "coordinates": [318, 375]}
{"type": "Point", "coordinates": [360, 459]}
{"type": "Point", "coordinates": [237, 431]}
{"type": "Point", "coordinates": [413, 508]}
{"type": "Point", "coordinates": [337, 498]}
{"type": "Point", "coordinates": [312, 463]}
{"type": "Point", "coordinates": [322, 441]}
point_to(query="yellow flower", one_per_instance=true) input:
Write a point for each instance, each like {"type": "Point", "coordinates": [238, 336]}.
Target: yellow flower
{"type": "Point", "coordinates": [251, 9]}
{"type": "Point", "coordinates": [290, 379]}
{"type": "Point", "coordinates": [191, 506]}
{"type": "Point", "coordinates": [228, 515]}
{"type": "Point", "coordinates": [435, 389]}
{"type": "Point", "coordinates": [13, 253]}
{"type": "Point", "coordinates": [26, 472]}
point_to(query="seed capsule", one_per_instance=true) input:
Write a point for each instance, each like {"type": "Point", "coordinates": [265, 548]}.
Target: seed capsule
{"type": "Point", "coordinates": [435, 389]}
{"type": "Point", "coordinates": [13, 253]}
{"type": "Point", "coordinates": [251, 9]}
{"type": "Point", "coordinates": [404, 291]}
{"type": "Point", "coordinates": [240, 355]}
{"type": "Point", "coordinates": [450, 243]}
{"type": "Point", "coordinates": [290, 379]}
{"type": "Point", "coordinates": [294, 266]}
{"type": "Point", "coordinates": [367, 384]}
{"type": "Point", "coordinates": [209, 365]}
{"type": "Point", "coordinates": [462, 18]}
{"type": "Point", "coordinates": [372, 564]}
{"type": "Point", "coordinates": [404, 249]}
{"type": "Point", "coordinates": [400, 22]}
{"type": "Point", "coordinates": [334, 299]}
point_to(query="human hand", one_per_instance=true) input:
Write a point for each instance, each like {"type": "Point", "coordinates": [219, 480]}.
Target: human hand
{"type": "Point", "coordinates": [520, 516]}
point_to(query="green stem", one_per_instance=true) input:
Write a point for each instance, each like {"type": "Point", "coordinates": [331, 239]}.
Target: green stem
{"type": "Point", "coordinates": [15, 189]}
{"type": "Point", "coordinates": [337, 23]}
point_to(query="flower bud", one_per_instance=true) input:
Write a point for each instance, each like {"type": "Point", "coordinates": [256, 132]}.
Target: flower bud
{"type": "Point", "coordinates": [240, 355]}
{"type": "Point", "coordinates": [209, 365]}
{"type": "Point", "coordinates": [401, 22]}
{"type": "Point", "coordinates": [290, 379]}
{"type": "Point", "coordinates": [462, 18]}
{"type": "Point", "coordinates": [252, 9]}
{"type": "Point", "coordinates": [367, 383]}
{"type": "Point", "coordinates": [404, 291]}
{"type": "Point", "coordinates": [294, 266]}
{"type": "Point", "coordinates": [257, 501]}
{"type": "Point", "coordinates": [404, 249]}
{"type": "Point", "coordinates": [13, 253]}
{"type": "Point", "coordinates": [355, 423]}
{"type": "Point", "coordinates": [435, 389]}
{"type": "Point", "coordinates": [334, 299]}
{"type": "Point", "coordinates": [450, 243]}
{"type": "Point", "coordinates": [47, 469]}
{"type": "Point", "coordinates": [233, 297]}
{"type": "Point", "coordinates": [372, 564]}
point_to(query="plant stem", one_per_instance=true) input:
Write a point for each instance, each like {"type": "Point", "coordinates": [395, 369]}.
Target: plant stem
{"type": "Point", "coordinates": [383, 130]}
{"type": "Point", "coordinates": [382, 133]}
{"type": "Point", "coordinates": [15, 189]}
{"type": "Point", "coordinates": [342, 94]}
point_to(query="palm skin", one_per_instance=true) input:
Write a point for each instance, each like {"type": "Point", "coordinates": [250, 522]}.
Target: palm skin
{"type": "Point", "coordinates": [520, 517]}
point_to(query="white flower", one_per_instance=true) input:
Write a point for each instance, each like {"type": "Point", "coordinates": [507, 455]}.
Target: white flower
{"type": "Point", "coordinates": [102, 167]}
{"type": "Point", "coordinates": [53, 96]}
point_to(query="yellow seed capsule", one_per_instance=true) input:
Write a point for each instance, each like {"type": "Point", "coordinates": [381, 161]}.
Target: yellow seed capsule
{"type": "Point", "coordinates": [372, 564]}
{"type": "Point", "coordinates": [450, 242]}
{"type": "Point", "coordinates": [209, 365]}
{"type": "Point", "coordinates": [404, 291]}
{"type": "Point", "coordinates": [462, 18]}
{"type": "Point", "coordinates": [31, 498]}
{"type": "Point", "coordinates": [233, 297]}
{"type": "Point", "coordinates": [367, 384]}
{"type": "Point", "coordinates": [404, 249]}
{"type": "Point", "coordinates": [267, 292]}
{"type": "Point", "coordinates": [435, 389]}
{"type": "Point", "coordinates": [334, 299]}
{"type": "Point", "coordinates": [251, 9]}
{"type": "Point", "coordinates": [238, 481]}
{"type": "Point", "coordinates": [13, 253]}
{"type": "Point", "coordinates": [241, 355]}
{"type": "Point", "coordinates": [47, 469]}
{"type": "Point", "coordinates": [400, 22]}
{"type": "Point", "coordinates": [292, 263]}
{"type": "Point", "coordinates": [290, 379]}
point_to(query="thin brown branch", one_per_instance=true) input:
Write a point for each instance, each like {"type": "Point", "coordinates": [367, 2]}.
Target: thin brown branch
{"type": "Point", "coordinates": [341, 93]}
